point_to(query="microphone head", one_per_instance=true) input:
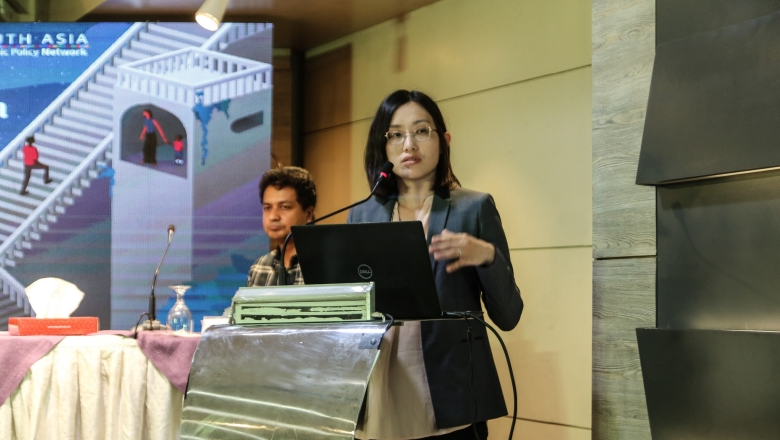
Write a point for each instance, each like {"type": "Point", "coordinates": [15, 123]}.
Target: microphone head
{"type": "Point", "coordinates": [171, 229]}
{"type": "Point", "coordinates": [384, 173]}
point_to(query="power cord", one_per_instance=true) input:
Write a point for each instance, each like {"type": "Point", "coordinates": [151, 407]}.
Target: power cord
{"type": "Point", "coordinates": [470, 339]}
{"type": "Point", "coordinates": [475, 316]}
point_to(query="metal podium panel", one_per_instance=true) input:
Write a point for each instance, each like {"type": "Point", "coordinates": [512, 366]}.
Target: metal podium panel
{"type": "Point", "coordinates": [280, 381]}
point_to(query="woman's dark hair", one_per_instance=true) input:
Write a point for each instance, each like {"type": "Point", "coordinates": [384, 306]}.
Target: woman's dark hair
{"type": "Point", "coordinates": [375, 154]}
{"type": "Point", "coordinates": [291, 177]}
{"type": "Point", "coordinates": [150, 113]}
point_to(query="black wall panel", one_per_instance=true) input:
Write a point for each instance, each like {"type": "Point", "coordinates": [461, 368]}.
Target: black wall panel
{"type": "Point", "coordinates": [711, 384]}
{"type": "Point", "coordinates": [719, 253]}
{"type": "Point", "coordinates": [677, 19]}
{"type": "Point", "coordinates": [713, 112]}
{"type": "Point", "coordinates": [714, 104]}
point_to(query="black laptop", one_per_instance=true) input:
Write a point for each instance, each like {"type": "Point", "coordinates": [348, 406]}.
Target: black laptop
{"type": "Point", "coordinates": [393, 255]}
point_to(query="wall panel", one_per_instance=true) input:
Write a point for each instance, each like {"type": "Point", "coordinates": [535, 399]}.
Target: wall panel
{"type": "Point", "coordinates": [550, 348]}
{"type": "Point", "coordinates": [455, 47]}
{"type": "Point", "coordinates": [623, 50]}
{"type": "Point", "coordinates": [281, 132]}
{"type": "Point", "coordinates": [326, 156]}
{"type": "Point", "coordinates": [623, 299]}
{"type": "Point", "coordinates": [327, 88]}
{"type": "Point", "coordinates": [531, 430]}
{"type": "Point", "coordinates": [624, 227]}
{"type": "Point", "coordinates": [528, 144]}
{"type": "Point", "coordinates": [359, 188]}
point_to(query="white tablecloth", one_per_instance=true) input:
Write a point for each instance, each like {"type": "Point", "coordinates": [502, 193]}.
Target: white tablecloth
{"type": "Point", "coordinates": [93, 388]}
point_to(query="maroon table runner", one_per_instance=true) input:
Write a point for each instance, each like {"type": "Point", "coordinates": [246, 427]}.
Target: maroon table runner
{"type": "Point", "coordinates": [17, 355]}
{"type": "Point", "coordinates": [172, 355]}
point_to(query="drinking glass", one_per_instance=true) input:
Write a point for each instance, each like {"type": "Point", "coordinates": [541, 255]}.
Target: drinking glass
{"type": "Point", "coordinates": [180, 317]}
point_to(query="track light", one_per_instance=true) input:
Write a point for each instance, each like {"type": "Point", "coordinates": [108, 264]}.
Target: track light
{"type": "Point", "coordinates": [211, 13]}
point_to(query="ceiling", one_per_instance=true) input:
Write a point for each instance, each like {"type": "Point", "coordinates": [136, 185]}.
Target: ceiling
{"type": "Point", "coordinates": [298, 24]}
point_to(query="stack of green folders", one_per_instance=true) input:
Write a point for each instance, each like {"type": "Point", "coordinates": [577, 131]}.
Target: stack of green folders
{"type": "Point", "coordinates": [306, 303]}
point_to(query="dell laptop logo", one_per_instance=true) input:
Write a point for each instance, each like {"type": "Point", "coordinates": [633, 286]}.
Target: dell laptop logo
{"type": "Point", "coordinates": [365, 271]}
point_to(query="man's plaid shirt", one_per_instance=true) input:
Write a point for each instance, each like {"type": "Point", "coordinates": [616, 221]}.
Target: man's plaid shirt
{"type": "Point", "coordinates": [265, 271]}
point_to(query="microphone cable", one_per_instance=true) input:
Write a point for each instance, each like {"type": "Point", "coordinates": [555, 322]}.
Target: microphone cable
{"type": "Point", "coordinates": [151, 314]}
{"type": "Point", "coordinates": [137, 323]}
{"type": "Point", "coordinates": [384, 173]}
{"type": "Point", "coordinates": [473, 315]}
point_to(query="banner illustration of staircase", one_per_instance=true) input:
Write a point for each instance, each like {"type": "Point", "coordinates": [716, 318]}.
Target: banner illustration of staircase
{"type": "Point", "coordinates": [74, 135]}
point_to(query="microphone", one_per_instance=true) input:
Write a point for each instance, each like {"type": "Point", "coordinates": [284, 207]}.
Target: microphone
{"type": "Point", "coordinates": [152, 323]}
{"type": "Point", "coordinates": [384, 173]}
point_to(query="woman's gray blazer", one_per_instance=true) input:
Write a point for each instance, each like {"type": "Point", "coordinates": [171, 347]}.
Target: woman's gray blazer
{"type": "Point", "coordinates": [445, 344]}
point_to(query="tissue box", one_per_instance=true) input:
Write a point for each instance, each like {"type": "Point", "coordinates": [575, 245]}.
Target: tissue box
{"type": "Point", "coordinates": [82, 325]}
{"type": "Point", "coordinates": [208, 321]}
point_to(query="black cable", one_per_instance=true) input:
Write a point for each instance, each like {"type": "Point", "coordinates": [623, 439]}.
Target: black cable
{"type": "Point", "coordinates": [137, 323]}
{"type": "Point", "coordinates": [509, 365]}
{"type": "Point", "coordinates": [470, 339]}
{"type": "Point", "coordinates": [281, 280]}
{"type": "Point", "coordinates": [384, 172]}
{"type": "Point", "coordinates": [392, 320]}
{"type": "Point", "coordinates": [475, 315]}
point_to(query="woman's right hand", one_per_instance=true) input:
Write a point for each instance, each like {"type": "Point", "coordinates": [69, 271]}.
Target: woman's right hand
{"type": "Point", "coordinates": [462, 248]}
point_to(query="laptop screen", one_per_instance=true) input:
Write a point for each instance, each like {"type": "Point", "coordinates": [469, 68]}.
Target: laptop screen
{"type": "Point", "coordinates": [393, 255]}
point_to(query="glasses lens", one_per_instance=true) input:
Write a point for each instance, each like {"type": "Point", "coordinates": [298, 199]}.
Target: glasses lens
{"type": "Point", "coordinates": [395, 137]}
{"type": "Point", "coordinates": [422, 134]}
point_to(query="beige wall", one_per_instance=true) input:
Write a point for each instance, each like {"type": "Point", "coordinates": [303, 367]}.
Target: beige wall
{"type": "Point", "coordinates": [513, 80]}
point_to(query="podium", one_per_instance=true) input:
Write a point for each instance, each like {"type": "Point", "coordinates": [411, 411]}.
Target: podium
{"type": "Point", "coordinates": [291, 380]}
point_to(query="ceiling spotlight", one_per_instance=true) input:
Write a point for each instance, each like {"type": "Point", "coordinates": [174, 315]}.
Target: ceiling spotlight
{"type": "Point", "coordinates": [211, 13]}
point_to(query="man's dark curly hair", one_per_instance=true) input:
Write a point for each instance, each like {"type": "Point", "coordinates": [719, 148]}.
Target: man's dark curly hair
{"type": "Point", "coordinates": [291, 177]}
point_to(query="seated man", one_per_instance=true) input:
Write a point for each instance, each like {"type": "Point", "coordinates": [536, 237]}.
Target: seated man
{"type": "Point", "coordinates": [288, 197]}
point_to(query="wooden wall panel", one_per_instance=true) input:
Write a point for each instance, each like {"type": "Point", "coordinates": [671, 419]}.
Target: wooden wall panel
{"type": "Point", "coordinates": [327, 139]}
{"type": "Point", "coordinates": [623, 299]}
{"type": "Point", "coordinates": [58, 10]}
{"type": "Point", "coordinates": [326, 156]}
{"type": "Point", "coordinates": [623, 51]}
{"type": "Point", "coordinates": [359, 132]}
{"type": "Point", "coordinates": [624, 228]}
{"type": "Point", "coordinates": [327, 89]}
{"type": "Point", "coordinates": [281, 132]}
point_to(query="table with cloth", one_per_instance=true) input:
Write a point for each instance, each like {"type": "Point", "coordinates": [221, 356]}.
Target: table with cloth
{"type": "Point", "coordinates": [103, 386]}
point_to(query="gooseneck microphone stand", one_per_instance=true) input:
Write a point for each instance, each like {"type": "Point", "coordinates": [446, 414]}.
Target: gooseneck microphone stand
{"type": "Point", "coordinates": [384, 173]}
{"type": "Point", "coordinates": [151, 322]}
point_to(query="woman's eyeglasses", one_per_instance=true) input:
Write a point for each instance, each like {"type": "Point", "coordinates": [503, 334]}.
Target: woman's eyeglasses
{"type": "Point", "coordinates": [398, 137]}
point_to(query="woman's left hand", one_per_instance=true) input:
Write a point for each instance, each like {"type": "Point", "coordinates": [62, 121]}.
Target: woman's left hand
{"type": "Point", "coordinates": [465, 249]}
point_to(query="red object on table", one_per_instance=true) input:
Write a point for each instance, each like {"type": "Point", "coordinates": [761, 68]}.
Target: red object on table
{"type": "Point", "coordinates": [81, 325]}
